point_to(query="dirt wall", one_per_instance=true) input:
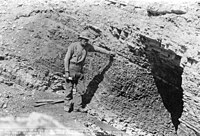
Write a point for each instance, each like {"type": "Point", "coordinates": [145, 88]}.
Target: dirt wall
{"type": "Point", "coordinates": [142, 89]}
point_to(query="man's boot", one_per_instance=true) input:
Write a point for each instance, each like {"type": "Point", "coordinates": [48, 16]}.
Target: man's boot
{"type": "Point", "coordinates": [83, 110]}
{"type": "Point", "coordinates": [68, 108]}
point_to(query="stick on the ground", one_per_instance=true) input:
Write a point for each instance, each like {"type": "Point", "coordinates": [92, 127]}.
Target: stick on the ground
{"type": "Point", "coordinates": [47, 101]}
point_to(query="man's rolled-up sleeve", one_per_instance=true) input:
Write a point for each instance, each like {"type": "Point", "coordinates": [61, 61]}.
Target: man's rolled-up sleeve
{"type": "Point", "coordinates": [68, 57]}
{"type": "Point", "coordinates": [93, 48]}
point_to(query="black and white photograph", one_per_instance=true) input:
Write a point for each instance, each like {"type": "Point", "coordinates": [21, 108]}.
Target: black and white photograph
{"type": "Point", "coordinates": [99, 67]}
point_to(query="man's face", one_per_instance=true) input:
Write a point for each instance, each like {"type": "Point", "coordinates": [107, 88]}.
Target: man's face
{"type": "Point", "coordinates": [84, 41]}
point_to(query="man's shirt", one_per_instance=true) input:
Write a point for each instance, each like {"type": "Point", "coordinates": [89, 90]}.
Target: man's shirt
{"type": "Point", "coordinates": [77, 53]}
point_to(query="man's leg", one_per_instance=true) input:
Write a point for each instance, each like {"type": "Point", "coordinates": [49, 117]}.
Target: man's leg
{"type": "Point", "coordinates": [80, 90]}
{"type": "Point", "coordinates": [68, 96]}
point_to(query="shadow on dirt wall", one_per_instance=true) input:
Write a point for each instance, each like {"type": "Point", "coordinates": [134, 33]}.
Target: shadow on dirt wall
{"type": "Point", "coordinates": [167, 74]}
{"type": "Point", "coordinates": [172, 98]}
{"type": "Point", "coordinates": [168, 80]}
{"type": "Point", "coordinates": [170, 90]}
{"type": "Point", "coordinates": [94, 83]}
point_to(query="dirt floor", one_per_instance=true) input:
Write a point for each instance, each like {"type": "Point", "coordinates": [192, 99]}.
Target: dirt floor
{"type": "Point", "coordinates": [18, 101]}
{"type": "Point", "coordinates": [129, 94]}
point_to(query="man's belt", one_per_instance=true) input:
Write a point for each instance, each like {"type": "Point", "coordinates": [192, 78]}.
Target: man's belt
{"type": "Point", "coordinates": [74, 63]}
{"type": "Point", "coordinates": [75, 67]}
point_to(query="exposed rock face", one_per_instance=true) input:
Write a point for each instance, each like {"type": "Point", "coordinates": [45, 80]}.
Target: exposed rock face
{"type": "Point", "coordinates": [151, 86]}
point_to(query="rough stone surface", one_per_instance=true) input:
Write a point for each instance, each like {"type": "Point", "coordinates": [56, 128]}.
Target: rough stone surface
{"type": "Point", "coordinates": [150, 88]}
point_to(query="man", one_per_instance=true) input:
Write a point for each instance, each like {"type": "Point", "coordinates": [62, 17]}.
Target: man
{"type": "Point", "coordinates": [73, 62]}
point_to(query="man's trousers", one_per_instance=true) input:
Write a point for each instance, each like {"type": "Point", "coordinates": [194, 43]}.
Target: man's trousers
{"type": "Point", "coordinates": [75, 88]}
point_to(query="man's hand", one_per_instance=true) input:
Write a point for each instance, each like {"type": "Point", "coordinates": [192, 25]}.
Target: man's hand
{"type": "Point", "coordinates": [112, 54]}
{"type": "Point", "coordinates": [66, 75]}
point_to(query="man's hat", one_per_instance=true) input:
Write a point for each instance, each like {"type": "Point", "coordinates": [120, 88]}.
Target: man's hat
{"type": "Point", "coordinates": [84, 35]}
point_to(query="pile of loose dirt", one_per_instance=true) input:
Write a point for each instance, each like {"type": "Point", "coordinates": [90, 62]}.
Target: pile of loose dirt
{"type": "Point", "coordinates": [34, 124]}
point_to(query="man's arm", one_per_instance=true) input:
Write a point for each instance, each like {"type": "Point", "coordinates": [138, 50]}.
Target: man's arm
{"type": "Point", "coordinates": [99, 49]}
{"type": "Point", "coordinates": [67, 58]}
